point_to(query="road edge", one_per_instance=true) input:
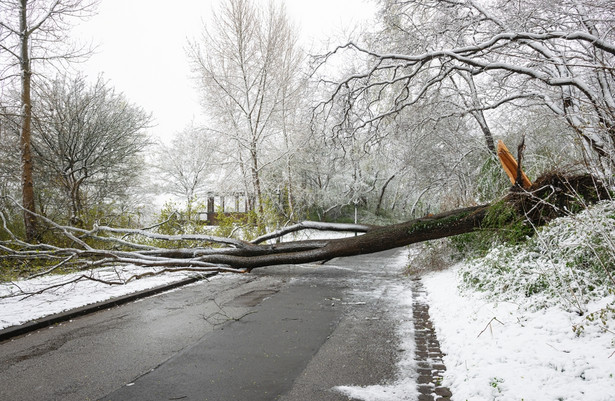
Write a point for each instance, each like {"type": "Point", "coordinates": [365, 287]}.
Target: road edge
{"type": "Point", "coordinates": [37, 324]}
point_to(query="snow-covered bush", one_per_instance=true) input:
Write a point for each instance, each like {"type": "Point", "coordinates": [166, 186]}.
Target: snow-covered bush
{"type": "Point", "coordinates": [570, 262]}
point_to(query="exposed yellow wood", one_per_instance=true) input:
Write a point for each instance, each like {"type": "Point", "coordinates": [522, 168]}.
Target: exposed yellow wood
{"type": "Point", "coordinates": [509, 163]}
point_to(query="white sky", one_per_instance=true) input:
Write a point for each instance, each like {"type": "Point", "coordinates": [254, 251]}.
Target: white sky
{"type": "Point", "coordinates": [141, 48]}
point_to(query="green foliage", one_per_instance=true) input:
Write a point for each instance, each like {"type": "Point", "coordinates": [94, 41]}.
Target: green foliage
{"type": "Point", "coordinates": [431, 255]}
{"type": "Point", "coordinates": [11, 270]}
{"type": "Point", "coordinates": [495, 383]}
{"type": "Point", "coordinates": [602, 318]}
{"type": "Point", "coordinates": [251, 224]}
{"type": "Point", "coordinates": [504, 221]}
{"type": "Point", "coordinates": [174, 219]}
{"type": "Point", "coordinates": [14, 222]}
{"type": "Point", "coordinates": [169, 219]}
{"type": "Point", "coordinates": [570, 262]}
{"type": "Point", "coordinates": [491, 182]}
{"type": "Point", "coordinates": [244, 226]}
{"type": "Point", "coordinates": [109, 215]}
{"type": "Point", "coordinates": [502, 224]}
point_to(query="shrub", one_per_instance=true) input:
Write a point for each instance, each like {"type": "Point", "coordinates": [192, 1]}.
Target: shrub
{"type": "Point", "coordinates": [571, 262]}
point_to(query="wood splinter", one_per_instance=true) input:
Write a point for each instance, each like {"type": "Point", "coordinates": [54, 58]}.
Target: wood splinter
{"type": "Point", "coordinates": [509, 163]}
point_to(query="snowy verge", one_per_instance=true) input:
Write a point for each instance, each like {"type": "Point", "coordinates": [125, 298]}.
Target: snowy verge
{"type": "Point", "coordinates": [500, 351]}
{"type": "Point", "coordinates": [17, 309]}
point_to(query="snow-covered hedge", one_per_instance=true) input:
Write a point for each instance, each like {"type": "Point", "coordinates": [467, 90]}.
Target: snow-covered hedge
{"type": "Point", "coordinates": [569, 262]}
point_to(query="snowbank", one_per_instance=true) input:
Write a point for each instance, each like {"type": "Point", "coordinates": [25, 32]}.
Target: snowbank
{"type": "Point", "coordinates": [17, 309]}
{"type": "Point", "coordinates": [500, 351]}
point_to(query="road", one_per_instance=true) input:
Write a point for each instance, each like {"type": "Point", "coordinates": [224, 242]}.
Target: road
{"type": "Point", "coordinates": [281, 333]}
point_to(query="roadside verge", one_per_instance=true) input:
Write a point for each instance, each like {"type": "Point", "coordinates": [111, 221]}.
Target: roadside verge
{"type": "Point", "coordinates": [37, 324]}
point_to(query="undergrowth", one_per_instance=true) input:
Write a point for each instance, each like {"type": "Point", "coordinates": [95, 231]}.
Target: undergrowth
{"type": "Point", "coordinates": [569, 262]}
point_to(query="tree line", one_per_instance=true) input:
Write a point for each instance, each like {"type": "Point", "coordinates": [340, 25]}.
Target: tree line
{"type": "Point", "coordinates": [399, 121]}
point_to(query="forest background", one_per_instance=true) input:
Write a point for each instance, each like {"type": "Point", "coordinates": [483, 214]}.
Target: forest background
{"type": "Point", "coordinates": [398, 121]}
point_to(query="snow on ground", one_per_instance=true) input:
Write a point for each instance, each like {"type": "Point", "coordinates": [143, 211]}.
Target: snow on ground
{"type": "Point", "coordinates": [500, 351]}
{"type": "Point", "coordinates": [404, 388]}
{"type": "Point", "coordinates": [18, 309]}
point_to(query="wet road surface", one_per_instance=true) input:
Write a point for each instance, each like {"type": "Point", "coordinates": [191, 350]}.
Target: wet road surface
{"type": "Point", "coordinates": [281, 333]}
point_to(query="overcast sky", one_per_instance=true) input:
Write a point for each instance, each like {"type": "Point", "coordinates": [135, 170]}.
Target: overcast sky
{"type": "Point", "coordinates": [141, 48]}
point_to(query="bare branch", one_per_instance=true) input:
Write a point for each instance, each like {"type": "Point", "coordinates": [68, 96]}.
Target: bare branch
{"type": "Point", "coordinates": [306, 225]}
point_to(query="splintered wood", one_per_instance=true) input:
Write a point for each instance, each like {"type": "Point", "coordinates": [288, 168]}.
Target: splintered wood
{"type": "Point", "coordinates": [509, 163]}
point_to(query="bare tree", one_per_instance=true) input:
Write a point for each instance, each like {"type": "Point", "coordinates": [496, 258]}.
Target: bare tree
{"type": "Point", "coordinates": [32, 32]}
{"type": "Point", "coordinates": [189, 164]}
{"type": "Point", "coordinates": [245, 62]}
{"type": "Point", "coordinates": [559, 55]}
{"type": "Point", "coordinates": [88, 139]}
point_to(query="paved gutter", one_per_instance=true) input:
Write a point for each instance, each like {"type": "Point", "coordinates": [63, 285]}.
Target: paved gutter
{"type": "Point", "coordinates": [428, 354]}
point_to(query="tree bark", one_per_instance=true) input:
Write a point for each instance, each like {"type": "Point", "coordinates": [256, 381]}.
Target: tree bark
{"type": "Point", "coordinates": [375, 239]}
{"type": "Point", "coordinates": [27, 168]}
{"type": "Point", "coordinates": [381, 198]}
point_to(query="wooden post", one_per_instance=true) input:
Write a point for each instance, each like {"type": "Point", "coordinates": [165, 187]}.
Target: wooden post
{"type": "Point", "coordinates": [210, 209]}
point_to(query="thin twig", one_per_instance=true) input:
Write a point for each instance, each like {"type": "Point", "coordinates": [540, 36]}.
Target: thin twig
{"type": "Point", "coordinates": [489, 326]}
{"type": "Point", "coordinates": [57, 266]}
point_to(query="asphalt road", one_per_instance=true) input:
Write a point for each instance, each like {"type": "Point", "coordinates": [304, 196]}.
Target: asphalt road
{"type": "Point", "coordinates": [281, 333]}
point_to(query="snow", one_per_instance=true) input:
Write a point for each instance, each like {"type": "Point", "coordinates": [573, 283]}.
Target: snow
{"type": "Point", "coordinates": [17, 309]}
{"type": "Point", "coordinates": [501, 351]}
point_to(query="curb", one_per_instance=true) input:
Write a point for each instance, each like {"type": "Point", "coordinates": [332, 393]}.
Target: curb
{"type": "Point", "coordinates": [428, 355]}
{"type": "Point", "coordinates": [33, 325]}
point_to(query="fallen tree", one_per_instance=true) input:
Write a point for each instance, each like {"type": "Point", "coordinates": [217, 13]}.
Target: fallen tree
{"type": "Point", "coordinates": [550, 196]}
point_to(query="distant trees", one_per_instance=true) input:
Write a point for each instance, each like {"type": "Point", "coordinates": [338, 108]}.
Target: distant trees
{"type": "Point", "coordinates": [88, 141]}
{"type": "Point", "coordinates": [249, 66]}
{"type": "Point", "coordinates": [33, 32]}
{"type": "Point", "coordinates": [191, 164]}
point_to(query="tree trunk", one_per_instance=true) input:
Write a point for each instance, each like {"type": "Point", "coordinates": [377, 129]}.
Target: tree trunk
{"type": "Point", "coordinates": [27, 168]}
{"type": "Point", "coordinates": [381, 198]}
{"type": "Point", "coordinates": [375, 239]}
{"type": "Point", "coordinates": [256, 181]}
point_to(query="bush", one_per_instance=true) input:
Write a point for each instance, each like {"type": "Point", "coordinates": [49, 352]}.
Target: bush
{"type": "Point", "coordinates": [569, 262]}
{"type": "Point", "coordinates": [432, 255]}
{"type": "Point", "coordinates": [502, 224]}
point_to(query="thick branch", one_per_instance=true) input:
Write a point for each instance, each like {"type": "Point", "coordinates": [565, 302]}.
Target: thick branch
{"type": "Point", "coordinates": [374, 240]}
